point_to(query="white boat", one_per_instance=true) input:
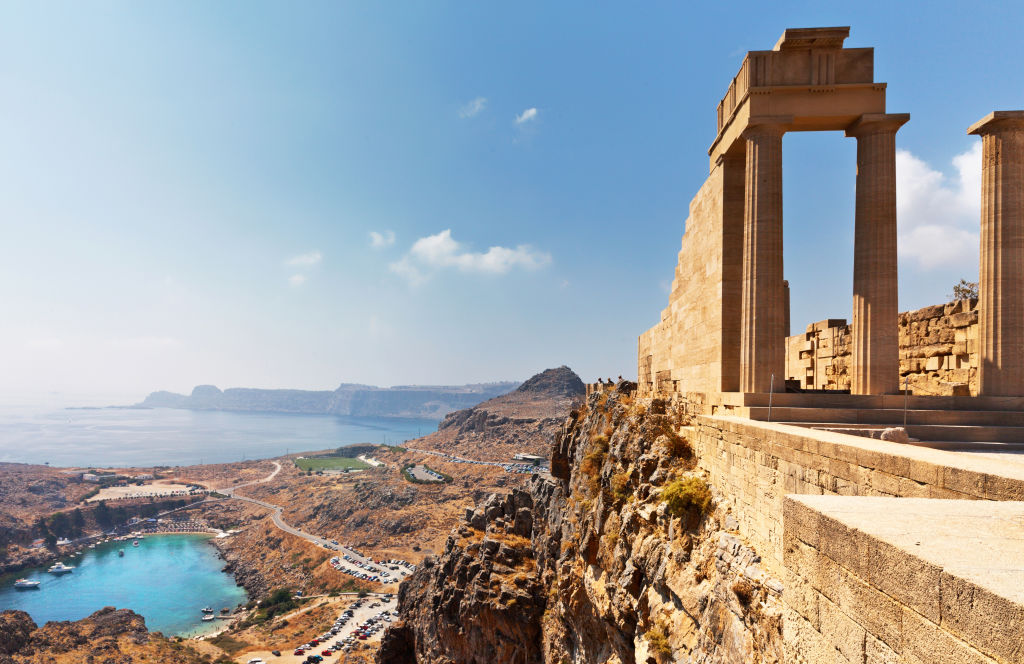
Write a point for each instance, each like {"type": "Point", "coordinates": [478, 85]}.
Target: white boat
{"type": "Point", "coordinates": [60, 568]}
{"type": "Point", "coordinates": [63, 541]}
{"type": "Point", "coordinates": [208, 617]}
{"type": "Point", "coordinates": [25, 584]}
{"type": "Point", "coordinates": [135, 543]}
{"type": "Point", "coordinates": [207, 609]}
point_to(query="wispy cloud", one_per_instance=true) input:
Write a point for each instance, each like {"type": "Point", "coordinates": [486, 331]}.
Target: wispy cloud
{"type": "Point", "coordinates": [441, 251]}
{"type": "Point", "coordinates": [144, 343]}
{"type": "Point", "coordinates": [528, 115]}
{"type": "Point", "coordinates": [305, 260]}
{"type": "Point", "coordinates": [296, 280]}
{"type": "Point", "coordinates": [382, 240]}
{"type": "Point", "coordinates": [939, 215]}
{"type": "Point", "coordinates": [473, 108]}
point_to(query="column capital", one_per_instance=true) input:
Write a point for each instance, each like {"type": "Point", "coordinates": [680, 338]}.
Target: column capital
{"type": "Point", "coordinates": [877, 123]}
{"type": "Point", "coordinates": [767, 125]}
{"type": "Point", "coordinates": [997, 121]}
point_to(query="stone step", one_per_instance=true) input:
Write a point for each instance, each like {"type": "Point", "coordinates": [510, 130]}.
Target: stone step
{"type": "Point", "coordinates": [887, 416]}
{"type": "Point", "coordinates": [932, 432]}
{"type": "Point", "coordinates": [738, 400]}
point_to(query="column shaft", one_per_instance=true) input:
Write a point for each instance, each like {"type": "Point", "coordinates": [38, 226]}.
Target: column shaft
{"type": "Point", "coordinates": [762, 333]}
{"type": "Point", "coordinates": [874, 367]}
{"type": "Point", "coordinates": [1001, 283]}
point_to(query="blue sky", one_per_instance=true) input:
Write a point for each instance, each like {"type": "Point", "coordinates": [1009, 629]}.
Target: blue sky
{"type": "Point", "coordinates": [189, 190]}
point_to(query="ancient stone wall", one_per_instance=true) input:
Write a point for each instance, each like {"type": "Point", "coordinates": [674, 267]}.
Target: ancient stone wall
{"type": "Point", "coordinates": [686, 347]}
{"type": "Point", "coordinates": [758, 463]}
{"type": "Point", "coordinates": [938, 352]}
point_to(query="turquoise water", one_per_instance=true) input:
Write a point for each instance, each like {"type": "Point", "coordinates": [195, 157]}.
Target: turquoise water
{"type": "Point", "coordinates": [167, 579]}
{"type": "Point", "coordinates": [168, 437]}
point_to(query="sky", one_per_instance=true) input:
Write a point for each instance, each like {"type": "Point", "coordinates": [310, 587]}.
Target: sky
{"type": "Point", "coordinates": [298, 195]}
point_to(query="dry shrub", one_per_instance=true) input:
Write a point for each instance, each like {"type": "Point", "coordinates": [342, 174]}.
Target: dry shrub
{"type": "Point", "coordinates": [657, 637]}
{"type": "Point", "coordinates": [687, 497]}
{"type": "Point", "coordinates": [620, 485]}
{"type": "Point", "coordinates": [744, 591]}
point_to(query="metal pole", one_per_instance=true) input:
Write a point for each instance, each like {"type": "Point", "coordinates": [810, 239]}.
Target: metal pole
{"type": "Point", "coordinates": [906, 384]}
{"type": "Point", "coordinates": [771, 391]}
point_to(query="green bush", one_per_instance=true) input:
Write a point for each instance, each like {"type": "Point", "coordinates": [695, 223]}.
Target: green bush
{"type": "Point", "coordinates": [687, 496]}
{"type": "Point", "coordinates": [620, 485]}
{"type": "Point", "coordinates": [658, 639]}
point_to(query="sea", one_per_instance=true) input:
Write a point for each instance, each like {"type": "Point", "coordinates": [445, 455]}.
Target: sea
{"type": "Point", "coordinates": [167, 579]}
{"type": "Point", "coordinates": [123, 437]}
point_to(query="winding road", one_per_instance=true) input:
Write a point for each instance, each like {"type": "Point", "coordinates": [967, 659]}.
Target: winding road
{"type": "Point", "coordinates": [276, 512]}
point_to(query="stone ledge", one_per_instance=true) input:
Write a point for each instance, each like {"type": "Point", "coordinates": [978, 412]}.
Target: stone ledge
{"type": "Point", "coordinates": [954, 566]}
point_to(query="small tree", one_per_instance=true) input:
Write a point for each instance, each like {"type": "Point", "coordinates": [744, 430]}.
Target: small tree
{"type": "Point", "coordinates": [965, 290]}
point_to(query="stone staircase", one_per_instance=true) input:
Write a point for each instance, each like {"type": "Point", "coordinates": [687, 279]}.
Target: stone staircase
{"type": "Point", "coordinates": [954, 423]}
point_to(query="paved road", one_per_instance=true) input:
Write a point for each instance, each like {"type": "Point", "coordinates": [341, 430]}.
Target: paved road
{"type": "Point", "coordinates": [276, 515]}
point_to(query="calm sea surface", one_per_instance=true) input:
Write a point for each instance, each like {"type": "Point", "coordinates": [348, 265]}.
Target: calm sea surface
{"type": "Point", "coordinates": [171, 437]}
{"type": "Point", "coordinates": [167, 579]}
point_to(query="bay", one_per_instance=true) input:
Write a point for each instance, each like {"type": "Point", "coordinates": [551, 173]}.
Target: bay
{"type": "Point", "coordinates": [112, 437]}
{"type": "Point", "coordinates": [167, 579]}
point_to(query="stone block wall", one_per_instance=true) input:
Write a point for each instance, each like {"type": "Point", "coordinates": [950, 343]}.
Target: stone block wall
{"type": "Point", "coordinates": [757, 463]}
{"type": "Point", "coordinates": [885, 581]}
{"type": "Point", "coordinates": [938, 351]}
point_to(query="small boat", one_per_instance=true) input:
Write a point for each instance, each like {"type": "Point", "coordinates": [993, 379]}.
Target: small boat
{"type": "Point", "coordinates": [120, 553]}
{"type": "Point", "coordinates": [60, 568]}
{"type": "Point", "coordinates": [135, 543]}
{"type": "Point", "coordinates": [208, 617]}
{"type": "Point", "coordinates": [25, 584]}
{"type": "Point", "coordinates": [207, 609]}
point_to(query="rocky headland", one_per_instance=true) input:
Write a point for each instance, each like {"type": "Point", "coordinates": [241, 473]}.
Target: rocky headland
{"type": "Point", "coordinates": [108, 635]}
{"type": "Point", "coordinates": [413, 401]}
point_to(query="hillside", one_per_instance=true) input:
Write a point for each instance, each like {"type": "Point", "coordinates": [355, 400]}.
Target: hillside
{"type": "Point", "coordinates": [524, 420]}
{"type": "Point", "coordinates": [108, 635]}
{"type": "Point", "coordinates": [414, 401]}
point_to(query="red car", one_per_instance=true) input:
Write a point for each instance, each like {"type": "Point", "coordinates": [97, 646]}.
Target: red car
{"type": "Point", "coordinates": [315, 642]}
{"type": "Point", "coordinates": [299, 651]}
{"type": "Point", "coordinates": [327, 653]}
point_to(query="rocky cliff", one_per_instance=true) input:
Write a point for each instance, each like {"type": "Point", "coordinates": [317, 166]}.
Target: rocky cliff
{"type": "Point", "coordinates": [429, 401]}
{"type": "Point", "coordinates": [109, 635]}
{"type": "Point", "coordinates": [624, 555]}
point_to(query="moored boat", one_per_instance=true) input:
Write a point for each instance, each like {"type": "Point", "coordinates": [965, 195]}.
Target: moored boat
{"type": "Point", "coordinates": [207, 609]}
{"type": "Point", "coordinates": [208, 617]}
{"type": "Point", "coordinates": [120, 553]}
{"type": "Point", "coordinates": [25, 584]}
{"type": "Point", "coordinates": [60, 568]}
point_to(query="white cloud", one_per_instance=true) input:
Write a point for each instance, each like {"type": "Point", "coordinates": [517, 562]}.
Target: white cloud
{"type": "Point", "coordinates": [305, 260]}
{"type": "Point", "coordinates": [939, 216]}
{"type": "Point", "coordinates": [44, 343]}
{"type": "Point", "coordinates": [381, 240]}
{"type": "Point", "coordinates": [296, 280]}
{"type": "Point", "coordinates": [473, 107]}
{"type": "Point", "coordinates": [441, 251]}
{"type": "Point", "coordinates": [528, 115]}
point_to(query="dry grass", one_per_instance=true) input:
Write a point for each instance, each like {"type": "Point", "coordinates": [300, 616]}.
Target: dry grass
{"type": "Point", "coordinates": [690, 496]}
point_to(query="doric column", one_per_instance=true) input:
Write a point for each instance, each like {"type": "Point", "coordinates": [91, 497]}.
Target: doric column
{"type": "Point", "coordinates": [1001, 283]}
{"type": "Point", "coordinates": [875, 361]}
{"type": "Point", "coordinates": [762, 333]}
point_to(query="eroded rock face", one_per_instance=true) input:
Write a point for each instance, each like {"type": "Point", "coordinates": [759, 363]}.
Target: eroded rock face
{"type": "Point", "coordinates": [15, 628]}
{"type": "Point", "coordinates": [594, 565]}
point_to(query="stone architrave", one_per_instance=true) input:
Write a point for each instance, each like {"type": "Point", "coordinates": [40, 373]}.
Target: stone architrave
{"type": "Point", "coordinates": [1001, 282]}
{"type": "Point", "coordinates": [762, 333]}
{"type": "Point", "coordinates": [875, 343]}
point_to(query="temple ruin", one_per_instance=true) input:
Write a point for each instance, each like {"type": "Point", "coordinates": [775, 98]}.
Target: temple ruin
{"type": "Point", "coordinates": [726, 326]}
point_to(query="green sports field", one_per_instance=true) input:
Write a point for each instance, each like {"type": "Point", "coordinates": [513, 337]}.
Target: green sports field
{"type": "Point", "coordinates": [330, 463]}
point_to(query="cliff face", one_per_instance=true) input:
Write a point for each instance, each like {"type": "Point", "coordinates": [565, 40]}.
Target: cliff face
{"type": "Point", "coordinates": [622, 556]}
{"type": "Point", "coordinates": [353, 400]}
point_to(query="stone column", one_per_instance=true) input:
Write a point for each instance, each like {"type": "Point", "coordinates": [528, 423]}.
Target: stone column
{"type": "Point", "coordinates": [1001, 283]}
{"type": "Point", "coordinates": [875, 361]}
{"type": "Point", "coordinates": [762, 333]}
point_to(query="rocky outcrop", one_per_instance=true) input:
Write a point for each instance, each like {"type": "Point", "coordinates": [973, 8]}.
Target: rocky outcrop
{"type": "Point", "coordinates": [108, 635]}
{"type": "Point", "coordinates": [625, 555]}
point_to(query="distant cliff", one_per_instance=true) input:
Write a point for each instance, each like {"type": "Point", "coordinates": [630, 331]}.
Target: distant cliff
{"type": "Point", "coordinates": [426, 401]}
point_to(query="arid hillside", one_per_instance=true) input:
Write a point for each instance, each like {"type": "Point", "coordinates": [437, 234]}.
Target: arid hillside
{"type": "Point", "coordinates": [524, 420]}
{"type": "Point", "coordinates": [108, 635]}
